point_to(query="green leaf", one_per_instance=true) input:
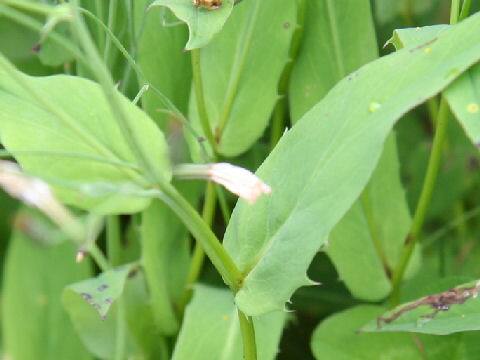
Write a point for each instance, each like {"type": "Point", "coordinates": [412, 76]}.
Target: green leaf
{"type": "Point", "coordinates": [203, 23]}
{"type": "Point", "coordinates": [165, 259]}
{"type": "Point", "coordinates": [337, 337]}
{"type": "Point", "coordinates": [339, 37]}
{"type": "Point", "coordinates": [51, 53]}
{"type": "Point", "coordinates": [141, 322]}
{"type": "Point", "coordinates": [239, 101]}
{"type": "Point", "coordinates": [89, 304]}
{"type": "Point", "coordinates": [67, 134]}
{"type": "Point", "coordinates": [274, 240]}
{"type": "Point", "coordinates": [164, 64]}
{"type": "Point", "coordinates": [420, 36]}
{"type": "Point", "coordinates": [211, 329]}
{"type": "Point", "coordinates": [34, 325]}
{"type": "Point", "coordinates": [367, 242]}
{"type": "Point", "coordinates": [463, 97]}
{"type": "Point", "coordinates": [444, 313]}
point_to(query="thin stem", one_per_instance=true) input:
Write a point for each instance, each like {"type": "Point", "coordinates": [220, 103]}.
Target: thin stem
{"type": "Point", "coordinates": [98, 257]}
{"type": "Point", "coordinates": [223, 204]}
{"type": "Point", "coordinates": [204, 235]}
{"type": "Point", "coordinates": [200, 97]}
{"type": "Point", "coordinates": [454, 11]}
{"type": "Point", "coordinates": [428, 184]}
{"type": "Point", "coordinates": [198, 254]}
{"type": "Point", "coordinates": [278, 122]}
{"type": "Point", "coordinates": [248, 335]}
{"type": "Point", "coordinates": [467, 4]}
{"type": "Point", "coordinates": [372, 226]}
{"type": "Point", "coordinates": [100, 14]}
{"type": "Point", "coordinates": [113, 239]}
{"type": "Point", "coordinates": [103, 76]}
{"type": "Point", "coordinates": [112, 19]}
{"type": "Point", "coordinates": [424, 201]}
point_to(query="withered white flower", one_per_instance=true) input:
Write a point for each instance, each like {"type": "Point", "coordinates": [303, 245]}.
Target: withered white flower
{"type": "Point", "coordinates": [36, 193]}
{"type": "Point", "coordinates": [237, 180]}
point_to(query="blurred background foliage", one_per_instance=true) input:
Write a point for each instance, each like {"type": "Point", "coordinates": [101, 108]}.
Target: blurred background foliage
{"type": "Point", "coordinates": [451, 246]}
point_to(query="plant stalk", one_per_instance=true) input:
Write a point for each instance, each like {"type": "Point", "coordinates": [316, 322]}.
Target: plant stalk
{"type": "Point", "coordinates": [200, 98]}
{"type": "Point", "coordinates": [424, 200]}
{"type": "Point", "coordinates": [428, 184]}
{"type": "Point", "coordinates": [204, 235]}
{"type": "Point", "coordinates": [198, 257]}
{"type": "Point", "coordinates": [248, 335]}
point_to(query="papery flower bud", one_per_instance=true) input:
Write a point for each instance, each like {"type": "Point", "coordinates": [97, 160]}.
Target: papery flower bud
{"type": "Point", "coordinates": [237, 180]}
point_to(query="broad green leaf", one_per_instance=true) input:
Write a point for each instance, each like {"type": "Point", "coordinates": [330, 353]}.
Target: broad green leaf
{"type": "Point", "coordinates": [34, 324]}
{"type": "Point", "coordinates": [239, 101]}
{"type": "Point", "coordinates": [318, 69]}
{"type": "Point", "coordinates": [337, 337]}
{"type": "Point", "coordinates": [339, 37]}
{"type": "Point", "coordinates": [165, 253]}
{"type": "Point", "coordinates": [203, 23]}
{"type": "Point", "coordinates": [92, 307]}
{"type": "Point", "coordinates": [164, 64]}
{"type": "Point", "coordinates": [211, 330]}
{"type": "Point", "coordinates": [448, 312]}
{"type": "Point", "coordinates": [71, 138]}
{"type": "Point", "coordinates": [371, 235]}
{"type": "Point", "coordinates": [274, 240]}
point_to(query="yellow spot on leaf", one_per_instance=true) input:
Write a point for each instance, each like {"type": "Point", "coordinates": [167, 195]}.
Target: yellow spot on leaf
{"type": "Point", "coordinates": [374, 106]}
{"type": "Point", "coordinates": [427, 50]}
{"type": "Point", "coordinates": [472, 108]}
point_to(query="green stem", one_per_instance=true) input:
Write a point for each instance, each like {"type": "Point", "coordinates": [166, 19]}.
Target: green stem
{"type": "Point", "coordinates": [113, 239]}
{"type": "Point", "coordinates": [198, 254]}
{"type": "Point", "coordinates": [428, 184]}
{"type": "Point", "coordinates": [100, 14]}
{"type": "Point", "coordinates": [467, 4]}
{"type": "Point", "coordinates": [112, 19]}
{"type": "Point", "coordinates": [200, 97]}
{"type": "Point", "coordinates": [454, 11]}
{"type": "Point", "coordinates": [248, 335]}
{"type": "Point", "coordinates": [372, 226]}
{"type": "Point", "coordinates": [103, 76]}
{"type": "Point", "coordinates": [204, 235]}
{"type": "Point", "coordinates": [222, 200]}
{"type": "Point", "coordinates": [98, 257]}
{"type": "Point", "coordinates": [278, 122]}
{"type": "Point", "coordinates": [424, 200]}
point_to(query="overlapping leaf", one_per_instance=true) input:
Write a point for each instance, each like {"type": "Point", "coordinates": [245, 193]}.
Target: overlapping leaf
{"type": "Point", "coordinates": [320, 166]}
